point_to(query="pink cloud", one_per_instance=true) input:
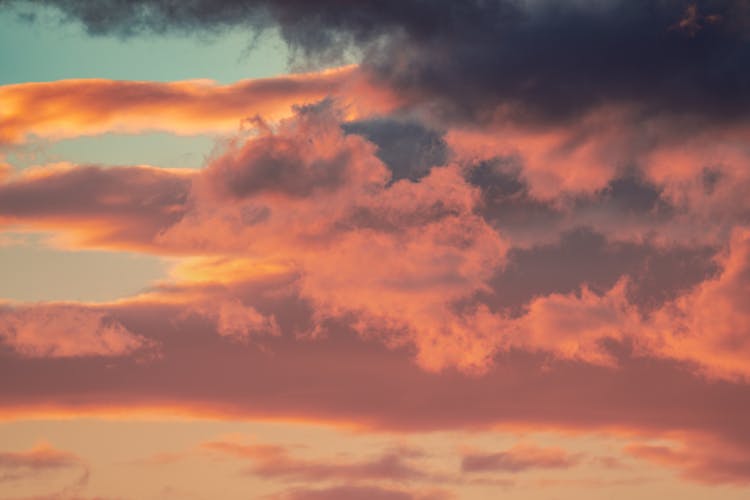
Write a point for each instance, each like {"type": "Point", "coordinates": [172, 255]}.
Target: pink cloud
{"type": "Point", "coordinates": [711, 325]}
{"type": "Point", "coordinates": [114, 207]}
{"type": "Point", "coordinates": [395, 255]}
{"type": "Point", "coordinates": [40, 457]}
{"type": "Point", "coordinates": [405, 259]}
{"type": "Point", "coordinates": [518, 459]}
{"type": "Point", "coordinates": [277, 462]}
{"type": "Point", "coordinates": [65, 330]}
{"type": "Point", "coordinates": [359, 493]}
{"type": "Point", "coordinates": [698, 458]}
{"type": "Point", "coordinates": [236, 320]}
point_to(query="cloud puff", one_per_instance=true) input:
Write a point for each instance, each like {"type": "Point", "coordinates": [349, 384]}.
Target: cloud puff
{"type": "Point", "coordinates": [396, 254]}
{"type": "Point", "coordinates": [711, 325]}
{"type": "Point", "coordinates": [64, 331]}
{"type": "Point", "coordinates": [234, 319]}
{"type": "Point", "coordinates": [698, 458]}
{"type": "Point", "coordinates": [517, 459]}
{"type": "Point", "coordinates": [276, 461]}
{"type": "Point", "coordinates": [17, 465]}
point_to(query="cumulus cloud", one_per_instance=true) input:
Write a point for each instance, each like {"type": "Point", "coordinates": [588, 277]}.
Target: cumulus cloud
{"type": "Point", "coordinates": [416, 262]}
{"type": "Point", "coordinates": [396, 254]}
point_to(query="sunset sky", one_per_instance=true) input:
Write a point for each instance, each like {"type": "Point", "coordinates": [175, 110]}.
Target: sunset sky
{"type": "Point", "coordinates": [375, 249]}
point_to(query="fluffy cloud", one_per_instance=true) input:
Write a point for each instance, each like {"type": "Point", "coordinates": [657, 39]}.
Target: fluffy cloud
{"type": "Point", "coordinates": [319, 201]}
{"type": "Point", "coordinates": [65, 330]}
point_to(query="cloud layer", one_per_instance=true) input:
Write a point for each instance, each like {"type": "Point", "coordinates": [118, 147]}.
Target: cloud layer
{"type": "Point", "coordinates": [507, 213]}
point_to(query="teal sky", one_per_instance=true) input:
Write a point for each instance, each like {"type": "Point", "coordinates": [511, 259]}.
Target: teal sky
{"type": "Point", "coordinates": [49, 49]}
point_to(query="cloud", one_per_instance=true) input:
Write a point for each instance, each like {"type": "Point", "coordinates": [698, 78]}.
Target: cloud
{"type": "Point", "coordinates": [64, 331]}
{"type": "Point", "coordinates": [394, 254]}
{"type": "Point", "coordinates": [358, 493]}
{"type": "Point", "coordinates": [538, 61]}
{"type": "Point", "coordinates": [406, 147]}
{"type": "Point", "coordinates": [410, 262]}
{"type": "Point", "coordinates": [261, 380]}
{"type": "Point", "coordinates": [39, 459]}
{"type": "Point", "coordinates": [655, 274]}
{"type": "Point", "coordinates": [42, 456]}
{"type": "Point", "coordinates": [711, 325]}
{"type": "Point", "coordinates": [87, 107]}
{"type": "Point", "coordinates": [698, 458]}
{"type": "Point", "coordinates": [276, 461]}
{"type": "Point", "coordinates": [518, 459]}
{"type": "Point", "coordinates": [101, 206]}
{"type": "Point", "coordinates": [543, 205]}
{"type": "Point", "coordinates": [234, 319]}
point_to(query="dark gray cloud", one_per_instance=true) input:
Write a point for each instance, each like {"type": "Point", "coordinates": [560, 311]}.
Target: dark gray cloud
{"type": "Point", "coordinates": [506, 202]}
{"type": "Point", "coordinates": [548, 60]}
{"type": "Point", "coordinates": [584, 257]}
{"type": "Point", "coordinates": [408, 148]}
{"type": "Point", "coordinates": [630, 194]}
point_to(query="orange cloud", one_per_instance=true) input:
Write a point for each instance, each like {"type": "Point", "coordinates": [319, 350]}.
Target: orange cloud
{"type": "Point", "coordinates": [74, 108]}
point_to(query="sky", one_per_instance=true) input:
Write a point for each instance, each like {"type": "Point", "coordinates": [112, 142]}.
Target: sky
{"type": "Point", "coordinates": [374, 250]}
